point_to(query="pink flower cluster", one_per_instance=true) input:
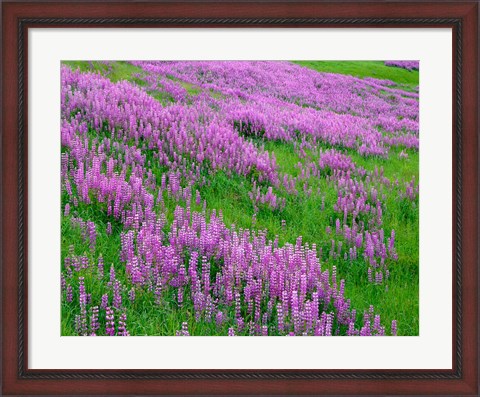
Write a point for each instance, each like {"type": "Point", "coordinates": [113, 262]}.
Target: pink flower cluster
{"type": "Point", "coordinates": [409, 65]}
{"type": "Point", "coordinates": [281, 100]}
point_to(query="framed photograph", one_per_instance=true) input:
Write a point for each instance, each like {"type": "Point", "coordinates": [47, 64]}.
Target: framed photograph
{"type": "Point", "coordinates": [291, 187]}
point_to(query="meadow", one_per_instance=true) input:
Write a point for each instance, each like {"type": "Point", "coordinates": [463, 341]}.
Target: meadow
{"type": "Point", "coordinates": [240, 198]}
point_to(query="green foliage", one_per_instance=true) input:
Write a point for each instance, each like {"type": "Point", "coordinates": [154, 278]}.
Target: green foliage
{"type": "Point", "coordinates": [120, 70]}
{"type": "Point", "coordinates": [405, 79]}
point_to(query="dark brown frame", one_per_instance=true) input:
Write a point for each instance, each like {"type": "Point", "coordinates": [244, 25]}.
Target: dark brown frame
{"type": "Point", "coordinates": [18, 16]}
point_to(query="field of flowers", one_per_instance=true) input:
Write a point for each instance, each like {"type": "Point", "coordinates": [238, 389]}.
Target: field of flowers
{"type": "Point", "coordinates": [239, 198]}
{"type": "Point", "coordinates": [409, 65]}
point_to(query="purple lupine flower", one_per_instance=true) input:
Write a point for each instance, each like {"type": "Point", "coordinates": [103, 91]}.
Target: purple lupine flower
{"type": "Point", "coordinates": [94, 324]}
{"type": "Point", "coordinates": [92, 235]}
{"type": "Point", "coordinates": [366, 331]}
{"type": "Point", "coordinates": [240, 324]}
{"type": "Point", "coordinates": [81, 292]}
{"type": "Point", "coordinates": [104, 303]}
{"type": "Point", "coordinates": [296, 314]}
{"type": "Point", "coordinates": [158, 292]}
{"type": "Point", "coordinates": [238, 312]}
{"type": "Point", "coordinates": [394, 328]}
{"type": "Point", "coordinates": [184, 331]}
{"type": "Point", "coordinates": [281, 325]}
{"type": "Point", "coordinates": [110, 322]}
{"type": "Point", "coordinates": [358, 240]}
{"type": "Point", "coordinates": [219, 318]}
{"type": "Point", "coordinates": [209, 309]}
{"type": "Point", "coordinates": [83, 307]}
{"type": "Point", "coordinates": [198, 199]}
{"type": "Point", "coordinates": [180, 296]}
{"type": "Point", "coordinates": [84, 262]}
{"type": "Point", "coordinates": [122, 325]}
{"type": "Point", "coordinates": [69, 293]}
{"type": "Point", "coordinates": [328, 326]}
{"type": "Point", "coordinates": [131, 294]}
{"type": "Point", "coordinates": [351, 328]}
{"type": "Point", "coordinates": [109, 228]}
{"type": "Point", "coordinates": [117, 295]}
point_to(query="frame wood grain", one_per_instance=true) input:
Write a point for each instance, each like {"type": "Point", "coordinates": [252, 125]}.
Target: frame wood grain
{"type": "Point", "coordinates": [18, 17]}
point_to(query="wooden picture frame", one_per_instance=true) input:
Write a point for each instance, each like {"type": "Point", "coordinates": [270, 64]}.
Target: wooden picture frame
{"type": "Point", "coordinates": [18, 17]}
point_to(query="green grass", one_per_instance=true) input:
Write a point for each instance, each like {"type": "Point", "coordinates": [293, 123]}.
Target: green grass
{"type": "Point", "coordinates": [303, 216]}
{"type": "Point", "coordinates": [408, 80]}
{"type": "Point", "coordinates": [120, 70]}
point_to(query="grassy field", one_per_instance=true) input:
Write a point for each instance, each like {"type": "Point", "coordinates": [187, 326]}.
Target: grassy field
{"type": "Point", "coordinates": [406, 79]}
{"type": "Point", "coordinates": [303, 216]}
